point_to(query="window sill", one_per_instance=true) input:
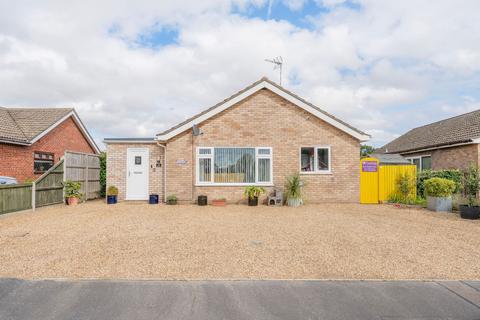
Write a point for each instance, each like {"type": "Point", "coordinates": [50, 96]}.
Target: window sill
{"type": "Point", "coordinates": [317, 173]}
{"type": "Point", "coordinates": [233, 184]}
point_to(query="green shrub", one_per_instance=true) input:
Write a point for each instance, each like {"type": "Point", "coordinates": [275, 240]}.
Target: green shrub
{"type": "Point", "coordinates": [112, 191]}
{"type": "Point", "coordinates": [72, 189]}
{"type": "Point", "coordinates": [251, 192]}
{"type": "Point", "coordinates": [103, 174]}
{"type": "Point", "coordinates": [172, 198]}
{"type": "Point", "coordinates": [439, 187]}
{"type": "Point", "coordinates": [453, 174]}
{"type": "Point", "coordinates": [471, 185]}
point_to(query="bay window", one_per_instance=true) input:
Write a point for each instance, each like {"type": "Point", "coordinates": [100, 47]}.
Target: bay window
{"type": "Point", "coordinates": [234, 166]}
{"type": "Point", "coordinates": [315, 160]}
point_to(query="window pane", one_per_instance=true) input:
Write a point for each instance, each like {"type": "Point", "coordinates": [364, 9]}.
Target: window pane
{"type": "Point", "coordinates": [263, 151]}
{"type": "Point", "coordinates": [205, 170]}
{"type": "Point", "coordinates": [263, 170]}
{"type": "Point", "coordinates": [42, 165]}
{"type": "Point", "coordinates": [138, 160]}
{"type": "Point", "coordinates": [307, 159]}
{"type": "Point", "coordinates": [205, 151]}
{"type": "Point", "coordinates": [322, 155]}
{"type": "Point", "coordinates": [234, 165]}
{"type": "Point", "coordinates": [426, 163]}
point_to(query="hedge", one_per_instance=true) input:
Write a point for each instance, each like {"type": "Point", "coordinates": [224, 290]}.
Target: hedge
{"type": "Point", "coordinates": [451, 174]}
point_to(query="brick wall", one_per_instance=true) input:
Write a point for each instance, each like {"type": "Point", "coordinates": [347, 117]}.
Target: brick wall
{"type": "Point", "coordinates": [117, 167]}
{"type": "Point", "coordinates": [265, 119]}
{"type": "Point", "coordinates": [452, 158]}
{"type": "Point", "coordinates": [17, 161]}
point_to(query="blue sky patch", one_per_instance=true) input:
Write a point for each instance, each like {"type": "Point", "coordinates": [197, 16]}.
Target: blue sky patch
{"type": "Point", "coordinates": [158, 37]}
{"type": "Point", "coordinates": [154, 37]}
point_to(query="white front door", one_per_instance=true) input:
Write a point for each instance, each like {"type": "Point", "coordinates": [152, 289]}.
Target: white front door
{"type": "Point", "coordinates": [137, 173]}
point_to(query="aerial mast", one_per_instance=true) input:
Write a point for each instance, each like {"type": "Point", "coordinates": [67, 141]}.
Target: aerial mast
{"type": "Point", "coordinates": [278, 64]}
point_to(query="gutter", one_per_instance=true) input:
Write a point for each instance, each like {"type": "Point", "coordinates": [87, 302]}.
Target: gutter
{"type": "Point", "coordinates": [26, 144]}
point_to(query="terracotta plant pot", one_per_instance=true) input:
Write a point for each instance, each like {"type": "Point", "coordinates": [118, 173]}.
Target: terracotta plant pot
{"type": "Point", "coordinates": [72, 201]}
{"type": "Point", "coordinates": [219, 202]}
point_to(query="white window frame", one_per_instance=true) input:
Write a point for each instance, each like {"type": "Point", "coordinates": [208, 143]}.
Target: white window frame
{"type": "Point", "coordinates": [419, 158]}
{"type": "Point", "coordinates": [232, 184]}
{"type": "Point", "coordinates": [315, 160]}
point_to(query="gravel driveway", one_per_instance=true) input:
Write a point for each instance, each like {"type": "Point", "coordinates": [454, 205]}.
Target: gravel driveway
{"type": "Point", "coordinates": [330, 241]}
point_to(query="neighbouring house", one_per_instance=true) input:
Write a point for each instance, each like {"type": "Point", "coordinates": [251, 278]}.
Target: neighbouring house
{"type": "Point", "coordinates": [447, 144]}
{"type": "Point", "coordinates": [259, 136]}
{"type": "Point", "coordinates": [33, 139]}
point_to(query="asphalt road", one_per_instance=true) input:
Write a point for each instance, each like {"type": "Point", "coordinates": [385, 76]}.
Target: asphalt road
{"type": "Point", "coordinates": [135, 300]}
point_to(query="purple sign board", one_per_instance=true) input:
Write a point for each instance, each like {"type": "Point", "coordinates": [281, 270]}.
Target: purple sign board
{"type": "Point", "coordinates": [369, 166]}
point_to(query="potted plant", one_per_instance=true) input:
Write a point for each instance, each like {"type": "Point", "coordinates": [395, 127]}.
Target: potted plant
{"type": "Point", "coordinates": [252, 193]}
{"type": "Point", "coordinates": [439, 194]}
{"type": "Point", "coordinates": [112, 193]}
{"type": "Point", "coordinates": [72, 192]}
{"type": "Point", "coordinates": [220, 202]}
{"type": "Point", "coordinates": [172, 199]}
{"type": "Point", "coordinates": [293, 191]}
{"type": "Point", "coordinates": [471, 180]}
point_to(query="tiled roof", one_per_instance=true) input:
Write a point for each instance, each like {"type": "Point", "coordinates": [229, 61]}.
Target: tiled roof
{"type": "Point", "coordinates": [22, 125]}
{"type": "Point", "coordinates": [460, 129]}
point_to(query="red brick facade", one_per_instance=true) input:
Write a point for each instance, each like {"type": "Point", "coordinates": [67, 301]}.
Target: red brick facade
{"type": "Point", "coordinates": [17, 161]}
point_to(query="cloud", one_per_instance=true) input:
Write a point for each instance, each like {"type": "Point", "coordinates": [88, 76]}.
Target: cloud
{"type": "Point", "coordinates": [126, 77]}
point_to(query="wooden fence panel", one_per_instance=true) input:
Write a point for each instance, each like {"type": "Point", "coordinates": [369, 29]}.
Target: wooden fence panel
{"type": "Point", "coordinates": [49, 188]}
{"type": "Point", "coordinates": [79, 167]}
{"type": "Point", "coordinates": [15, 197]}
{"type": "Point", "coordinates": [84, 168]}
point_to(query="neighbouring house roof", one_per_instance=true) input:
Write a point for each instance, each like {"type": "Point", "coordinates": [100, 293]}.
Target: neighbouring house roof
{"type": "Point", "coordinates": [263, 83]}
{"type": "Point", "coordinates": [25, 126]}
{"type": "Point", "coordinates": [129, 140]}
{"type": "Point", "coordinates": [461, 129]}
{"type": "Point", "coordinates": [390, 158]}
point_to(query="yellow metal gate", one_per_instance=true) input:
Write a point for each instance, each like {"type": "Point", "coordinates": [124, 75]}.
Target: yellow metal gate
{"type": "Point", "coordinates": [369, 180]}
{"type": "Point", "coordinates": [378, 182]}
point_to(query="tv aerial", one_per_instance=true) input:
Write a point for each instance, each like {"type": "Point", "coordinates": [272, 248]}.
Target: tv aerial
{"type": "Point", "coordinates": [278, 64]}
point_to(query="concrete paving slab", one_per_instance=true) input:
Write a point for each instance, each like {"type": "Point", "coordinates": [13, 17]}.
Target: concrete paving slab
{"type": "Point", "coordinates": [232, 300]}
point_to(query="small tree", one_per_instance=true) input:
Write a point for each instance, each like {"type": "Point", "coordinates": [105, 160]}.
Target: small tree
{"type": "Point", "coordinates": [366, 150]}
{"type": "Point", "coordinates": [405, 186]}
{"type": "Point", "coordinates": [471, 184]}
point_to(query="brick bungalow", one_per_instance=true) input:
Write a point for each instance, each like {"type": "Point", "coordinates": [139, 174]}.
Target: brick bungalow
{"type": "Point", "coordinates": [452, 143]}
{"type": "Point", "coordinates": [259, 136]}
{"type": "Point", "coordinates": [34, 139]}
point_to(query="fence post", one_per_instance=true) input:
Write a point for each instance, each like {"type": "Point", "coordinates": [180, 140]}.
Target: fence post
{"type": "Point", "coordinates": [33, 196]}
{"type": "Point", "coordinates": [86, 178]}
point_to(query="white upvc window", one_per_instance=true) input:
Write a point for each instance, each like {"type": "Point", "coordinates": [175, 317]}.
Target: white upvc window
{"type": "Point", "coordinates": [422, 162]}
{"type": "Point", "coordinates": [234, 166]}
{"type": "Point", "coordinates": [315, 160]}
